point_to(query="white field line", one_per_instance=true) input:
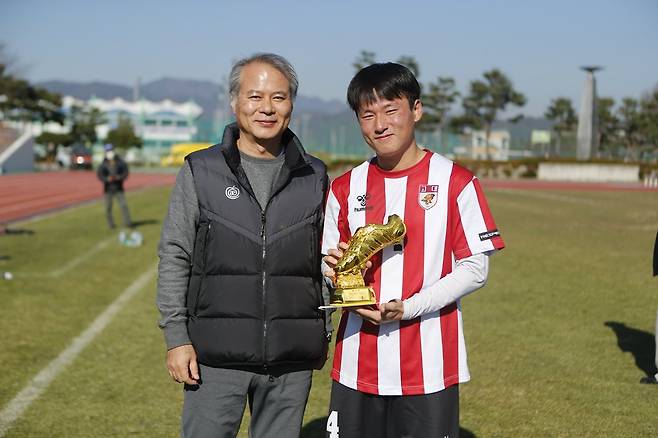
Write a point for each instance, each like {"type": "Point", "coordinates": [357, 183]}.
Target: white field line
{"type": "Point", "coordinates": [71, 264]}
{"type": "Point", "coordinates": [33, 390]}
{"type": "Point", "coordinates": [74, 262]}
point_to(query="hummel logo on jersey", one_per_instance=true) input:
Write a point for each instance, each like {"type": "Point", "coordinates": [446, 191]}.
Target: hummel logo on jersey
{"type": "Point", "coordinates": [363, 200]}
{"type": "Point", "coordinates": [428, 195]}
{"type": "Point", "coordinates": [488, 235]}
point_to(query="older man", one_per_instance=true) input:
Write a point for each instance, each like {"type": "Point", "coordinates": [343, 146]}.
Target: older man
{"type": "Point", "coordinates": [239, 277]}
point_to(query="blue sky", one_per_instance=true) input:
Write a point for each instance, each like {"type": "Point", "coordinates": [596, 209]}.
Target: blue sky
{"type": "Point", "coordinates": [539, 44]}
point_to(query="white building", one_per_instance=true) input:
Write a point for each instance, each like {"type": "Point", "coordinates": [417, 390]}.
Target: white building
{"type": "Point", "coordinates": [159, 124]}
{"type": "Point", "coordinates": [499, 145]}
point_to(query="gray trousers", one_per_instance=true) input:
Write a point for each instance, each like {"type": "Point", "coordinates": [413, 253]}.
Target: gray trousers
{"type": "Point", "coordinates": [125, 215]}
{"type": "Point", "coordinates": [214, 408]}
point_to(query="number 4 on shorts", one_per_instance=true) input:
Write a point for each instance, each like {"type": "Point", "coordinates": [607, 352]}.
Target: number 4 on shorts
{"type": "Point", "coordinates": [332, 424]}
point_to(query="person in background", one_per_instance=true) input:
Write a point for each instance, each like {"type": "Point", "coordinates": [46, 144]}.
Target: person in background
{"type": "Point", "coordinates": [113, 171]}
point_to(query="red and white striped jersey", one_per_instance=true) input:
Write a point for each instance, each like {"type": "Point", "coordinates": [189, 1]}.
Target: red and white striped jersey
{"type": "Point", "coordinates": [447, 219]}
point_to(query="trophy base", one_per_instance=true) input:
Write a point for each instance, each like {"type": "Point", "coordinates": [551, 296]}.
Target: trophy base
{"type": "Point", "coordinates": [352, 297]}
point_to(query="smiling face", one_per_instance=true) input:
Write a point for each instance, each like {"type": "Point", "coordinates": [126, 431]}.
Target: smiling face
{"type": "Point", "coordinates": [263, 105]}
{"type": "Point", "coordinates": [388, 127]}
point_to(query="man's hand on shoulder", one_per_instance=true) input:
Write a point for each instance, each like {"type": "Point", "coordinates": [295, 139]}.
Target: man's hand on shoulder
{"type": "Point", "coordinates": [182, 364]}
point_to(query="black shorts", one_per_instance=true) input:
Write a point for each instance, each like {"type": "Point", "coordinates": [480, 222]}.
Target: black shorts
{"type": "Point", "coordinates": [354, 414]}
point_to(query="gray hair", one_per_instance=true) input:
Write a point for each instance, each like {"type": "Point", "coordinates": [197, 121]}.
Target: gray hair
{"type": "Point", "coordinates": [278, 62]}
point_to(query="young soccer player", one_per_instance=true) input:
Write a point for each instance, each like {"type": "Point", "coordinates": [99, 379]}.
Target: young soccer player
{"type": "Point", "coordinates": [398, 365]}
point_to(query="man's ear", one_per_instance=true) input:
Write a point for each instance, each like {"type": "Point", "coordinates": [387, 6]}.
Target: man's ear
{"type": "Point", "coordinates": [417, 110]}
{"type": "Point", "coordinates": [233, 102]}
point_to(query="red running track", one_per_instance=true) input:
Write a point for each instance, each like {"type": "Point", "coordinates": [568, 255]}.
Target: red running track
{"type": "Point", "coordinates": [26, 195]}
{"type": "Point", "coordinates": [30, 194]}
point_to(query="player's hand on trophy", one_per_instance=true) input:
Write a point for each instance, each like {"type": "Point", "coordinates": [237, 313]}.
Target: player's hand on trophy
{"type": "Point", "coordinates": [392, 311]}
{"type": "Point", "coordinates": [332, 258]}
{"type": "Point", "coordinates": [382, 313]}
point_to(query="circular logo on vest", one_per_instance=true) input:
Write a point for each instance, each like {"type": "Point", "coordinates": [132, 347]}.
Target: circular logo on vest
{"type": "Point", "coordinates": [232, 192]}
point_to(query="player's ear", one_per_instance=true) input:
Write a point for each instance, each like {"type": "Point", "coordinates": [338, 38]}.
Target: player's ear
{"type": "Point", "coordinates": [417, 109]}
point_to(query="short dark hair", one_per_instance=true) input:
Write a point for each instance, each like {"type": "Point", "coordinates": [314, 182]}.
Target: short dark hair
{"type": "Point", "coordinates": [383, 80]}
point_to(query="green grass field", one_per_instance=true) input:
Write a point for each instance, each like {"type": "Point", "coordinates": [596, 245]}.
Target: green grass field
{"type": "Point", "coordinates": [544, 363]}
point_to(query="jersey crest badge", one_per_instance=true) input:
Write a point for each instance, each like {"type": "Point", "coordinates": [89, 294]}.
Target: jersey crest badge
{"type": "Point", "coordinates": [428, 195]}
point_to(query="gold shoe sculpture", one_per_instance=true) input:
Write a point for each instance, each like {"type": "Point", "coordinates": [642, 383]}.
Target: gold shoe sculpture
{"type": "Point", "coordinates": [366, 242]}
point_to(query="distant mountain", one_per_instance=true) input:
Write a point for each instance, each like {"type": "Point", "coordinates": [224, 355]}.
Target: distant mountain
{"type": "Point", "coordinates": [85, 90]}
{"type": "Point", "coordinates": [205, 93]}
{"type": "Point", "coordinates": [524, 126]}
{"type": "Point", "coordinates": [319, 106]}
{"type": "Point", "coordinates": [209, 95]}
{"type": "Point", "coordinates": [521, 131]}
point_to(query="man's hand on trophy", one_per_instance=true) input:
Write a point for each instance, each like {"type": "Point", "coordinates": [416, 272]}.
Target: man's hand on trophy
{"type": "Point", "coordinates": [332, 258]}
{"type": "Point", "coordinates": [385, 312]}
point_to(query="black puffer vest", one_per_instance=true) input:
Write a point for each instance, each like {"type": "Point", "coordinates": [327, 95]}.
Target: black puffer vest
{"type": "Point", "coordinates": [255, 287]}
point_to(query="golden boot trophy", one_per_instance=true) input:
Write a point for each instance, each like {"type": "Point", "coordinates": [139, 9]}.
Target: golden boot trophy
{"type": "Point", "coordinates": [366, 242]}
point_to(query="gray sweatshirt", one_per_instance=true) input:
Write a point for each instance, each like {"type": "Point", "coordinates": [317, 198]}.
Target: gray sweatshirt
{"type": "Point", "coordinates": [175, 252]}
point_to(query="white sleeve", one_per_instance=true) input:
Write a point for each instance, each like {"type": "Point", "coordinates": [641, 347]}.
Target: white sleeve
{"type": "Point", "coordinates": [330, 232]}
{"type": "Point", "coordinates": [478, 232]}
{"type": "Point", "coordinates": [469, 275]}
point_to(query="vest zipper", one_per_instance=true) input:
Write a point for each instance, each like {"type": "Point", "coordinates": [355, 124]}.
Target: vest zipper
{"type": "Point", "coordinates": [203, 274]}
{"type": "Point", "coordinates": [262, 235]}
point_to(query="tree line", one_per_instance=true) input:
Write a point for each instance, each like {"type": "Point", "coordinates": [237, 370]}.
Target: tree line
{"type": "Point", "coordinates": [630, 128]}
